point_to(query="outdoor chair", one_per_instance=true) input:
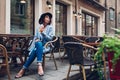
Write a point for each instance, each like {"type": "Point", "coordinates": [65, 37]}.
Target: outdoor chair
{"type": "Point", "coordinates": [70, 39]}
{"type": "Point", "coordinates": [52, 45]}
{"type": "Point", "coordinates": [75, 55]}
{"type": "Point", "coordinates": [4, 61]}
{"type": "Point", "coordinates": [90, 52]}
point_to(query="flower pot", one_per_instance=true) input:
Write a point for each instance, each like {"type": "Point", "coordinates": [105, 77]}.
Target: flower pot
{"type": "Point", "coordinates": [114, 72]}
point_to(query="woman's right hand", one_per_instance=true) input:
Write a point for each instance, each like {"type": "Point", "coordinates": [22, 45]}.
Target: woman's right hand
{"type": "Point", "coordinates": [41, 29]}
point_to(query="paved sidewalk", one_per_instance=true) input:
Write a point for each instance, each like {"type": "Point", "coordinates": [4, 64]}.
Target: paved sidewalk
{"type": "Point", "coordinates": [50, 72]}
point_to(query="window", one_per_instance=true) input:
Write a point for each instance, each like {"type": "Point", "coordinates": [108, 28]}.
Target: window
{"type": "Point", "coordinates": [61, 19]}
{"type": "Point", "coordinates": [111, 14]}
{"type": "Point", "coordinates": [89, 24]}
{"type": "Point", "coordinates": [20, 9]}
{"type": "Point", "coordinates": [22, 17]}
{"type": "Point", "coordinates": [88, 20]}
{"type": "Point", "coordinates": [119, 18]}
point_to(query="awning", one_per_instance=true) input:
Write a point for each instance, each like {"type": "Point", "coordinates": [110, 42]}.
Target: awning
{"type": "Point", "coordinates": [96, 4]}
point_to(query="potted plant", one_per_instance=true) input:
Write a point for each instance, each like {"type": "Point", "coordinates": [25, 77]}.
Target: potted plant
{"type": "Point", "coordinates": [111, 46]}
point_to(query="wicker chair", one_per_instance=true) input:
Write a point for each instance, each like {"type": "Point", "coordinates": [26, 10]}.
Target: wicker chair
{"type": "Point", "coordinates": [52, 45]}
{"type": "Point", "coordinates": [4, 60]}
{"type": "Point", "coordinates": [59, 47]}
{"type": "Point", "coordinates": [90, 52]}
{"type": "Point", "coordinates": [70, 39]}
{"type": "Point", "coordinates": [75, 55]}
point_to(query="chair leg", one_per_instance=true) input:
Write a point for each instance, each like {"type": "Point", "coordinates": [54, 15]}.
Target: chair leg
{"type": "Point", "coordinates": [83, 71]}
{"type": "Point", "coordinates": [8, 72]}
{"type": "Point", "coordinates": [50, 57]}
{"type": "Point", "coordinates": [21, 59]}
{"type": "Point", "coordinates": [63, 55]}
{"type": "Point", "coordinates": [54, 60]}
{"type": "Point", "coordinates": [43, 63]}
{"type": "Point", "coordinates": [68, 72]}
{"type": "Point", "coordinates": [59, 54]}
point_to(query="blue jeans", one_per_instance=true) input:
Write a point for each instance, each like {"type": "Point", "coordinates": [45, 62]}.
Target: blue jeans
{"type": "Point", "coordinates": [37, 52]}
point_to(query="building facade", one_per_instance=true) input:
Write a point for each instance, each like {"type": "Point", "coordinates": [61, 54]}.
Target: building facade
{"type": "Point", "coordinates": [70, 17]}
{"type": "Point", "coordinates": [112, 15]}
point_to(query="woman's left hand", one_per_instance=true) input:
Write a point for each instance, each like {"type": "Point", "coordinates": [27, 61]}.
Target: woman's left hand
{"type": "Point", "coordinates": [36, 40]}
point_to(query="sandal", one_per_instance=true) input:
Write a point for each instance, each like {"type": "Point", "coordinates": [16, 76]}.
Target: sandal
{"type": "Point", "coordinates": [20, 73]}
{"type": "Point", "coordinates": [40, 70]}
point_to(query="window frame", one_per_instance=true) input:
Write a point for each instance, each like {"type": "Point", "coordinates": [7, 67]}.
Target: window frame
{"type": "Point", "coordinates": [92, 23]}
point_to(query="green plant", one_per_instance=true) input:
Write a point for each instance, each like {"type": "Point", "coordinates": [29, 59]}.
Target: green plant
{"type": "Point", "coordinates": [109, 44]}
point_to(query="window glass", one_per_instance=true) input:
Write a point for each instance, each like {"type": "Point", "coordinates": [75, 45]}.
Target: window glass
{"type": "Point", "coordinates": [22, 17]}
{"type": "Point", "coordinates": [112, 14]}
{"type": "Point", "coordinates": [119, 17]}
{"type": "Point", "coordinates": [83, 24]}
{"type": "Point", "coordinates": [88, 20]}
{"type": "Point", "coordinates": [61, 19]}
{"type": "Point", "coordinates": [89, 25]}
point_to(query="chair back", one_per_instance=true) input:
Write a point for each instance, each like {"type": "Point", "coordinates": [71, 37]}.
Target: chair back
{"type": "Point", "coordinates": [4, 61]}
{"type": "Point", "coordinates": [74, 52]}
{"type": "Point", "coordinates": [27, 44]}
{"type": "Point", "coordinates": [66, 38]}
{"type": "Point", "coordinates": [52, 44]}
{"type": "Point", "coordinates": [57, 42]}
{"type": "Point", "coordinates": [30, 40]}
{"type": "Point", "coordinates": [3, 54]}
{"type": "Point", "coordinates": [101, 39]}
{"type": "Point", "coordinates": [3, 57]}
{"type": "Point", "coordinates": [70, 39]}
{"type": "Point", "coordinates": [92, 39]}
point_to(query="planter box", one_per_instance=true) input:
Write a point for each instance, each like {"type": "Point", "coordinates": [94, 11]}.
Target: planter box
{"type": "Point", "coordinates": [114, 73]}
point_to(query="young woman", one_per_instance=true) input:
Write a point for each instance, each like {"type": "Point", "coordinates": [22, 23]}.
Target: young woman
{"type": "Point", "coordinates": [43, 34]}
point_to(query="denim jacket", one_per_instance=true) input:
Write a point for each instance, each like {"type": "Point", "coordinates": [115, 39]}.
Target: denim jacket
{"type": "Point", "coordinates": [44, 37]}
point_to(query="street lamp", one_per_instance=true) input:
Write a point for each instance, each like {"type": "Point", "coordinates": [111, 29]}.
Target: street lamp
{"type": "Point", "coordinates": [49, 4]}
{"type": "Point", "coordinates": [79, 15]}
{"type": "Point", "coordinates": [75, 13]}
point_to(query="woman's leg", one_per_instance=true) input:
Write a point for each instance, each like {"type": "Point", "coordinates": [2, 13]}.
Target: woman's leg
{"type": "Point", "coordinates": [27, 64]}
{"type": "Point", "coordinates": [39, 54]}
{"type": "Point", "coordinates": [30, 59]}
{"type": "Point", "coordinates": [39, 51]}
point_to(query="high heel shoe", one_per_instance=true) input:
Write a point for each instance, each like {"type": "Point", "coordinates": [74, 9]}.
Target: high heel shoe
{"type": "Point", "coordinates": [20, 73]}
{"type": "Point", "coordinates": [40, 70]}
